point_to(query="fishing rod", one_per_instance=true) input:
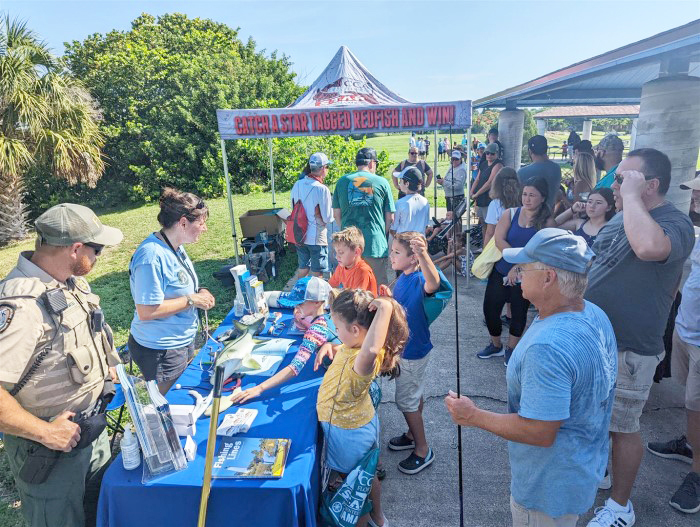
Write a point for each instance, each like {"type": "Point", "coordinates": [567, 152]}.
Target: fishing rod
{"type": "Point", "coordinates": [211, 443]}
{"type": "Point", "coordinates": [454, 278]}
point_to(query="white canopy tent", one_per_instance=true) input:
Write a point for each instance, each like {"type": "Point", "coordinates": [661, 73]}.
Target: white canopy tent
{"type": "Point", "coordinates": [346, 99]}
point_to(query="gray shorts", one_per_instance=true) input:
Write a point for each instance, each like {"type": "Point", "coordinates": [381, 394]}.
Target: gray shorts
{"type": "Point", "coordinates": [160, 365]}
{"type": "Point", "coordinates": [685, 369]}
{"type": "Point", "coordinates": [481, 212]}
{"type": "Point", "coordinates": [410, 384]}
{"type": "Point", "coordinates": [635, 375]}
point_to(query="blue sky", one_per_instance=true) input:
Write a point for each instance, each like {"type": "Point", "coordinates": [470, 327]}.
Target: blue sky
{"type": "Point", "coordinates": [425, 51]}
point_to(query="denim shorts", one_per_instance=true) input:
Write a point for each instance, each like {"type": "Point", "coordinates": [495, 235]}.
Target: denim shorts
{"type": "Point", "coordinates": [314, 256]}
{"type": "Point", "coordinates": [160, 365]}
{"type": "Point", "coordinates": [345, 448]}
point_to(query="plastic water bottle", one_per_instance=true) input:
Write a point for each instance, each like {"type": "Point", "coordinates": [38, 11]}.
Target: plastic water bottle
{"type": "Point", "coordinates": [131, 455]}
{"type": "Point", "coordinates": [238, 308]}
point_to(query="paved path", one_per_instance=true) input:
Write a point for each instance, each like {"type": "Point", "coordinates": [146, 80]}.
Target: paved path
{"type": "Point", "coordinates": [430, 499]}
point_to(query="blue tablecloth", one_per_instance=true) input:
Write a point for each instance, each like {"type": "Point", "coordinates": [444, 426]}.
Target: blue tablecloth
{"type": "Point", "coordinates": [287, 411]}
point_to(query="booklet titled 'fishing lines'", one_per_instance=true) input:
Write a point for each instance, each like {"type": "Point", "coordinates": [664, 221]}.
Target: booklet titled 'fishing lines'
{"type": "Point", "coordinates": [250, 457]}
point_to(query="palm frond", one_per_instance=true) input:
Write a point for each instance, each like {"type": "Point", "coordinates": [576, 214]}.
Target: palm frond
{"type": "Point", "coordinates": [46, 117]}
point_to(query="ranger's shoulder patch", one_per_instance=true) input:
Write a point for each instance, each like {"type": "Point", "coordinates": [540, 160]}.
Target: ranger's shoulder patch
{"type": "Point", "coordinates": [6, 313]}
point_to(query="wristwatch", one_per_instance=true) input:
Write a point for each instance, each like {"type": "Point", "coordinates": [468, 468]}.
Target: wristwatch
{"type": "Point", "coordinates": [190, 302]}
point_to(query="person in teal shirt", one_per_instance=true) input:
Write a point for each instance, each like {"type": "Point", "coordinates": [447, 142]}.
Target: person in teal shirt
{"type": "Point", "coordinates": [364, 200]}
{"type": "Point", "coordinates": [608, 154]}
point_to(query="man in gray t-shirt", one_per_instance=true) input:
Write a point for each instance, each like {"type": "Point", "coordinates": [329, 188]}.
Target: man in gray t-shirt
{"type": "Point", "coordinates": [634, 278]}
{"type": "Point", "coordinates": [541, 166]}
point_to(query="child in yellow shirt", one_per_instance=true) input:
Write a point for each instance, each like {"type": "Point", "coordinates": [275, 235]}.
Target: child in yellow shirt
{"type": "Point", "coordinates": [373, 332]}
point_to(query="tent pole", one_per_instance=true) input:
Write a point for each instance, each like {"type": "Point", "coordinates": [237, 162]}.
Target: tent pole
{"type": "Point", "coordinates": [435, 167]}
{"type": "Point", "coordinates": [272, 173]}
{"type": "Point", "coordinates": [468, 241]}
{"type": "Point", "coordinates": [229, 198]}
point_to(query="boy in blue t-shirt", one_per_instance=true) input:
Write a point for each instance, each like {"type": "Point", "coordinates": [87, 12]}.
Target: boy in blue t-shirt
{"type": "Point", "coordinates": [420, 277]}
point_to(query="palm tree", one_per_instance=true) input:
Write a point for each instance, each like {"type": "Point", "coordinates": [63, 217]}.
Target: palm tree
{"type": "Point", "coordinates": [48, 121]}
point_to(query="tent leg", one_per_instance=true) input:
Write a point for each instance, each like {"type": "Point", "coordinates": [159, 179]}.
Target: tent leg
{"type": "Point", "coordinates": [466, 196]}
{"type": "Point", "coordinates": [435, 167]}
{"type": "Point", "coordinates": [272, 173]}
{"type": "Point", "coordinates": [229, 198]}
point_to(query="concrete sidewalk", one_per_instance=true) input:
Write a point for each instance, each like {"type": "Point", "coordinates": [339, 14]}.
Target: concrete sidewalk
{"type": "Point", "coordinates": [431, 499]}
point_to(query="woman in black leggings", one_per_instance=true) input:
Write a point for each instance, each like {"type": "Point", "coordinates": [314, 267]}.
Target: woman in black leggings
{"type": "Point", "coordinates": [514, 229]}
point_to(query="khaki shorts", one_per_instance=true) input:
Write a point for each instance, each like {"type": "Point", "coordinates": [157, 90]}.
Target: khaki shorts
{"type": "Point", "coordinates": [523, 517]}
{"type": "Point", "coordinates": [635, 375]}
{"type": "Point", "coordinates": [411, 383]}
{"type": "Point", "coordinates": [685, 369]}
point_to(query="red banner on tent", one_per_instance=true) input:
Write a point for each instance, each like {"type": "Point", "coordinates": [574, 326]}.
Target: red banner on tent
{"type": "Point", "coordinates": [295, 122]}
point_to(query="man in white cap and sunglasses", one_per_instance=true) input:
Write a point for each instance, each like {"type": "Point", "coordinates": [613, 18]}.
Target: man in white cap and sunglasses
{"type": "Point", "coordinates": [314, 196]}
{"type": "Point", "coordinates": [56, 360]}
{"type": "Point", "coordinates": [560, 380]}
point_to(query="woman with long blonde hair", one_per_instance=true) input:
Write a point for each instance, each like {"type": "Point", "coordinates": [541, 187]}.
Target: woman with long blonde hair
{"type": "Point", "coordinates": [584, 175]}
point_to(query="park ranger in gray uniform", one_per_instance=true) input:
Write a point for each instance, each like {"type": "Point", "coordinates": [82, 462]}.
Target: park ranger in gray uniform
{"type": "Point", "coordinates": [56, 364]}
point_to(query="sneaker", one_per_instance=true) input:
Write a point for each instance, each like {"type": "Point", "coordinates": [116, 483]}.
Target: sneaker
{"type": "Point", "coordinates": [401, 442]}
{"type": "Point", "coordinates": [673, 449]}
{"type": "Point", "coordinates": [687, 497]}
{"type": "Point", "coordinates": [508, 353]}
{"type": "Point", "coordinates": [505, 320]}
{"type": "Point", "coordinates": [490, 351]}
{"type": "Point", "coordinates": [413, 464]}
{"type": "Point", "coordinates": [610, 515]}
{"type": "Point", "coordinates": [606, 482]}
{"type": "Point", "coordinates": [371, 522]}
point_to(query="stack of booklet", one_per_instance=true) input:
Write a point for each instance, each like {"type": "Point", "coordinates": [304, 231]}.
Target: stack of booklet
{"type": "Point", "coordinates": [250, 457]}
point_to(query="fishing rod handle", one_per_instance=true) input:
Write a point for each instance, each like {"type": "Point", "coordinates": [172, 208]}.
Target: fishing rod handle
{"type": "Point", "coordinates": [218, 381]}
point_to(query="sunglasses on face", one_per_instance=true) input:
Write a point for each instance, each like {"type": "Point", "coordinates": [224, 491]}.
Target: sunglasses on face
{"type": "Point", "coordinates": [95, 247]}
{"type": "Point", "coordinates": [620, 178]}
{"type": "Point", "coordinates": [490, 153]}
{"type": "Point", "coordinates": [413, 153]}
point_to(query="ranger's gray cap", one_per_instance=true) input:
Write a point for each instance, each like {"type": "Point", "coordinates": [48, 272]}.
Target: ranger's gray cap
{"type": "Point", "coordinates": [555, 247]}
{"type": "Point", "coordinates": [68, 223]}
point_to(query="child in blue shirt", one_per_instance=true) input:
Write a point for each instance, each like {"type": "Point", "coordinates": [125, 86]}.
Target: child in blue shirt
{"type": "Point", "coordinates": [409, 255]}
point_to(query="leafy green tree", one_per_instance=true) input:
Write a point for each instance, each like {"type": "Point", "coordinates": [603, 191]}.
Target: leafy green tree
{"type": "Point", "coordinates": [48, 124]}
{"type": "Point", "coordinates": [484, 121]}
{"type": "Point", "coordinates": [159, 86]}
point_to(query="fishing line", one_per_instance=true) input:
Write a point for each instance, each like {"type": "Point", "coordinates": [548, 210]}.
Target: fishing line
{"type": "Point", "coordinates": [454, 278]}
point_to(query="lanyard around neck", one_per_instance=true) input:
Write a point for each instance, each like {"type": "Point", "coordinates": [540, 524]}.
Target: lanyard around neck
{"type": "Point", "coordinates": [181, 260]}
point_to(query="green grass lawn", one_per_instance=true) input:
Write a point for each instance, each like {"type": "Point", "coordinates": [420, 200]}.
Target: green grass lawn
{"type": "Point", "coordinates": [396, 145]}
{"type": "Point", "coordinates": [110, 278]}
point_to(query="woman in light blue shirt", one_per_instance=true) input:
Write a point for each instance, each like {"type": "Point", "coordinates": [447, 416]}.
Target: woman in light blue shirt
{"type": "Point", "coordinates": [166, 292]}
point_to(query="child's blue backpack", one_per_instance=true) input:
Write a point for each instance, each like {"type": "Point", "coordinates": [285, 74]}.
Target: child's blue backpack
{"type": "Point", "coordinates": [434, 304]}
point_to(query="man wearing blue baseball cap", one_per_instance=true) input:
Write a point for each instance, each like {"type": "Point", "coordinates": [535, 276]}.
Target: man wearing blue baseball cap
{"type": "Point", "coordinates": [561, 380]}
{"type": "Point", "coordinates": [364, 200]}
{"type": "Point", "coordinates": [312, 255]}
